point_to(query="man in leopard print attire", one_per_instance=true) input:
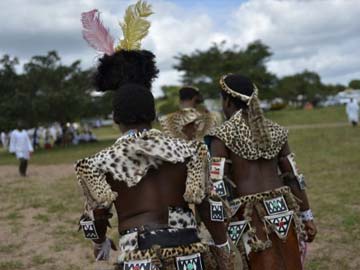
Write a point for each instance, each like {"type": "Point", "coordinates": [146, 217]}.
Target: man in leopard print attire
{"type": "Point", "coordinates": [189, 123]}
{"type": "Point", "coordinates": [151, 179]}
{"type": "Point", "coordinates": [270, 211]}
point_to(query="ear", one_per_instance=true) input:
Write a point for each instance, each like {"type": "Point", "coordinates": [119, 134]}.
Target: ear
{"type": "Point", "coordinates": [227, 102]}
{"type": "Point", "coordinates": [194, 99]}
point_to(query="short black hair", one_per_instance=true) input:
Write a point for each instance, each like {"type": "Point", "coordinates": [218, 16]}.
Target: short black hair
{"type": "Point", "coordinates": [240, 84]}
{"type": "Point", "coordinates": [188, 93]}
{"type": "Point", "coordinates": [133, 104]}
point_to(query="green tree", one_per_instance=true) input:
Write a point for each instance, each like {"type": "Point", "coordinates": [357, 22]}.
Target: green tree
{"type": "Point", "coordinates": [169, 102]}
{"type": "Point", "coordinates": [58, 92]}
{"type": "Point", "coordinates": [306, 84]}
{"type": "Point", "coordinates": [354, 84]}
{"type": "Point", "coordinates": [204, 68]}
{"type": "Point", "coordinates": [47, 91]}
{"type": "Point", "coordinates": [10, 106]}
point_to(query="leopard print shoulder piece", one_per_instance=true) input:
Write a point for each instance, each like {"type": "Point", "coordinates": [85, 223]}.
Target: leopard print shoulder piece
{"type": "Point", "coordinates": [206, 122]}
{"type": "Point", "coordinates": [130, 158]}
{"type": "Point", "coordinates": [238, 138]}
{"type": "Point", "coordinates": [173, 123]}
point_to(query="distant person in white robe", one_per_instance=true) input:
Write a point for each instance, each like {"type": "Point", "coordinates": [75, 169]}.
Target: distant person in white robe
{"type": "Point", "coordinates": [352, 111]}
{"type": "Point", "coordinates": [20, 144]}
{"type": "Point", "coordinates": [4, 140]}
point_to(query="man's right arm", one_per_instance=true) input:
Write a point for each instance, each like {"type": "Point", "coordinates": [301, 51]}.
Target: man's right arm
{"type": "Point", "coordinates": [99, 198]}
{"type": "Point", "coordinates": [217, 228]}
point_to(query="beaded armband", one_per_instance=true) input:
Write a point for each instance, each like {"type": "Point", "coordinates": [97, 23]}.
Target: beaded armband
{"type": "Point", "coordinates": [306, 215]}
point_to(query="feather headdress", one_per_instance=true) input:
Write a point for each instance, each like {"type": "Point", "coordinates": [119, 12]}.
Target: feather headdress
{"type": "Point", "coordinates": [95, 33]}
{"type": "Point", "coordinates": [135, 27]}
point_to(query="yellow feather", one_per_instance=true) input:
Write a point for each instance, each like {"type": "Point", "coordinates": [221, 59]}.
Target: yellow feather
{"type": "Point", "coordinates": [135, 26]}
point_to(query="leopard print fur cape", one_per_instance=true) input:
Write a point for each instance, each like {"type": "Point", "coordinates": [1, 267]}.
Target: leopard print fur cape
{"type": "Point", "coordinates": [236, 135]}
{"type": "Point", "coordinates": [173, 123]}
{"type": "Point", "coordinates": [130, 158]}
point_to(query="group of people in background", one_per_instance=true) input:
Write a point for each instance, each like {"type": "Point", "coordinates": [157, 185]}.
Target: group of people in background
{"type": "Point", "coordinates": [22, 142]}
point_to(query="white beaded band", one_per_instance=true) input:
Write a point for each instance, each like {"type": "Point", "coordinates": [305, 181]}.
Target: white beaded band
{"type": "Point", "coordinates": [225, 246]}
{"type": "Point", "coordinates": [307, 215]}
{"type": "Point", "coordinates": [235, 94]}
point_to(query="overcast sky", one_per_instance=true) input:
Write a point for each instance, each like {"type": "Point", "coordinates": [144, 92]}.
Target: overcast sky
{"type": "Point", "coordinates": [321, 35]}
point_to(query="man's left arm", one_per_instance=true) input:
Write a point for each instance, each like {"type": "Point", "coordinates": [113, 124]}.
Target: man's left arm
{"type": "Point", "coordinates": [296, 181]}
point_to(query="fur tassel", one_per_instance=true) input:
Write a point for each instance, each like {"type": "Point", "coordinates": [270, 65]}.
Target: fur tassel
{"type": "Point", "coordinates": [95, 33]}
{"type": "Point", "coordinates": [257, 124]}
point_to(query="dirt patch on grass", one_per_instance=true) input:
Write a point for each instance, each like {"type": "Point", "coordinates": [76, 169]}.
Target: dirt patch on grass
{"type": "Point", "coordinates": [9, 173]}
{"type": "Point", "coordinates": [38, 221]}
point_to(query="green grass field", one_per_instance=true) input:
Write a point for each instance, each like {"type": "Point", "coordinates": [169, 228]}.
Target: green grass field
{"type": "Point", "coordinates": [38, 214]}
{"type": "Point", "coordinates": [291, 117]}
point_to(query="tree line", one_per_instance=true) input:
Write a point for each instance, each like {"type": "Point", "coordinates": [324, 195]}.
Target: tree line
{"type": "Point", "coordinates": [47, 90]}
{"type": "Point", "coordinates": [204, 68]}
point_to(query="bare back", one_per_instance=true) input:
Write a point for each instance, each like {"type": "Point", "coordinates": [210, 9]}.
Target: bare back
{"type": "Point", "coordinates": [250, 176]}
{"type": "Point", "coordinates": [254, 176]}
{"type": "Point", "coordinates": [148, 201]}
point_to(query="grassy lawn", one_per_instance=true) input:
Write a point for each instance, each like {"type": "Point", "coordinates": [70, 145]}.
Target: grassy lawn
{"type": "Point", "coordinates": [330, 160]}
{"type": "Point", "coordinates": [290, 117]}
{"type": "Point", "coordinates": [38, 214]}
{"type": "Point", "coordinates": [107, 132]}
{"type": "Point", "coordinates": [59, 155]}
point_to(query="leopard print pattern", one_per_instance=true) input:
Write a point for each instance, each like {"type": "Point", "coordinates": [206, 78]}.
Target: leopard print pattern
{"type": "Point", "coordinates": [197, 181]}
{"type": "Point", "coordinates": [173, 124]}
{"type": "Point", "coordinates": [259, 197]}
{"type": "Point", "coordinates": [207, 121]}
{"type": "Point", "coordinates": [236, 135]}
{"type": "Point", "coordinates": [181, 219]}
{"type": "Point", "coordinates": [130, 158]}
{"type": "Point", "coordinates": [165, 258]}
{"type": "Point", "coordinates": [165, 253]}
{"type": "Point", "coordinates": [128, 243]}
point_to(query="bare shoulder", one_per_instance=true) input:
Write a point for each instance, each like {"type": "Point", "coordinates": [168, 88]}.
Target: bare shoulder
{"type": "Point", "coordinates": [285, 150]}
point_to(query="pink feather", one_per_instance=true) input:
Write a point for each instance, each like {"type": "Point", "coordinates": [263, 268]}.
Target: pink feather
{"type": "Point", "coordinates": [95, 33]}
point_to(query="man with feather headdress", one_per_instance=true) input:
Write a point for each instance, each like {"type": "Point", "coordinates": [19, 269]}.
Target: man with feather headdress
{"type": "Point", "coordinates": [269, 213]}
{"type": "Point", "coordinates": [149, 177]}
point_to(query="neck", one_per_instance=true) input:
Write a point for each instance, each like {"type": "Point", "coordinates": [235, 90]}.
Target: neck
{"type": "Point", "coordinates": [187, 104]}
{"type": "Point", "coordinates": [137, 127]}
{"type": "Point", "coordinates": [232, 111]}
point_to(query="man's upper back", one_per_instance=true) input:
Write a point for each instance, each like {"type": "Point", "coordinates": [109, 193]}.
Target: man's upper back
{"type": "Point", "coordinates": [158, 190]}
{"type": "Point", "coordinates": [254, 169]}
{"type": "Point", "coordinates": [149, 164]}
{"type": "Point", "coordinates": [236, 134]}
